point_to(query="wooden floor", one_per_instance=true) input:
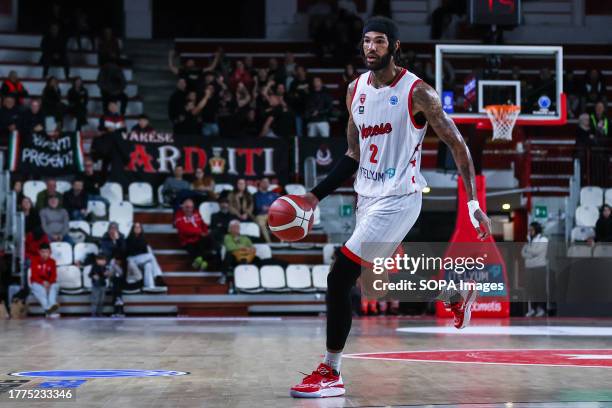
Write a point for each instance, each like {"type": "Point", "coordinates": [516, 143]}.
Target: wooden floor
{"type": "Point", "coordinates": [253, 362]}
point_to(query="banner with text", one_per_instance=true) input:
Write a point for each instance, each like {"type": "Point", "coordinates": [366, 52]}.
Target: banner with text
{"type": "Point", "coordinates": [39, 155]}
{"type": "Point", "coordinates": [151, 157]}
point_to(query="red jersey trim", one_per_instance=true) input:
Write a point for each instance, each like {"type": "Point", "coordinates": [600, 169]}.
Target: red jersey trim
{"type": "Point", "coordinates": [354, 257]}
{"type": "Point", "coordinates": [398, 77]}
{"type": "Point", "coordinates": [410, 106]}
{"type": "Point", "coordinates": [355, 89]}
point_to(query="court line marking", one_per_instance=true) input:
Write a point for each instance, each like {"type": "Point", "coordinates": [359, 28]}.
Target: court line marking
{"type": "Point", "coordinates": [539, 330]}
{"type": "Point", "coordinates": [361, 356]}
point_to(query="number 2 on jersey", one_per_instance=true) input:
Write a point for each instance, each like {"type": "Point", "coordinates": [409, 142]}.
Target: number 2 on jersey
{"type": "Point", "coordinates": [374, 150]}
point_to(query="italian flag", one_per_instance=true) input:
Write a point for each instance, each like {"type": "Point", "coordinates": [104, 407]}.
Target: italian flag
{"type": "Point", "coordinates": [13, 153]}
{"type": "Point", "coordinates": [79, 157]}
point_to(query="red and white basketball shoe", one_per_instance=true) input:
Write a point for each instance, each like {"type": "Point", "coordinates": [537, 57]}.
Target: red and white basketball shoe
{"type": "Point", "coordinates": [323, 382]}
{"type": "Point", "coordinates": [462, 310]}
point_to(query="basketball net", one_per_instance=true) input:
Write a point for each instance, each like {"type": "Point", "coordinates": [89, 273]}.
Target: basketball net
{"type": "Point", "coordinates": [503, 118]}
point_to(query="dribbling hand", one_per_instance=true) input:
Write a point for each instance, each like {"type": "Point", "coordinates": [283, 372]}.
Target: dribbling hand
{"type": "Point", "coordinates": [312, 199]}
{"type": "Point", "coordinates": [484, 230]}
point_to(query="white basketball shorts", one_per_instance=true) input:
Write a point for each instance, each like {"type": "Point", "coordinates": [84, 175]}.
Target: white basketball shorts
{"type": "Point", "coordinates": [382, 224]}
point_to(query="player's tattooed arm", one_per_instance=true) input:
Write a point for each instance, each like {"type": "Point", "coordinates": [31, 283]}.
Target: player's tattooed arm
{"type": "Point", "coordinates": [352, 133]}
{"type": "Point", "coordinates": [426, 100]}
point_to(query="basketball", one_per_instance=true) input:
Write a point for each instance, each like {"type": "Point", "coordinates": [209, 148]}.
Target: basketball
{"type": "Point", "coordinates": [290, 218]}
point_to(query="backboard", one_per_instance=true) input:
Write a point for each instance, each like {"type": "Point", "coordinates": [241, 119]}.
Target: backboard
{"type": "Point", "coordinates": [470, 77]}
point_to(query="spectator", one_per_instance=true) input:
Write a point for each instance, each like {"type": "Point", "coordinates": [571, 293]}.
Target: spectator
{"type": "Point", "coordinates": [17, 187]}
{"type": "Point", "coordinates": [99, 275]}
{"type": "Point", "coordinates": [52, 99]}
{"type": "Point", "coordinates": [143, 125]}
{"type": "Point", "coordinates": [219, 221]}
{"type": "Point", "coordinates": [190, 72]}
{"type": "Point", "coordinates": [534, 252]}
{"type": "Point", "coordinates": [82, 29]}
{"type": "Point", "coordinates": [75, 201]}
{"type": "Point", "coordinates": [43, 281]}
{"type": "Point", "coordinates": [243, 98]}
{"type": "Point", "coordinates": [226, 112]}
{"type": "Point", "coordinates": [241, 201]}
{"type": "Point", "coordinates": [112, 241]}
{"type": "Point", "coordinates": [92, 182]}
{"type": "Point", "coordinates": [210, 126]}
{"type": "Point", "coordinates": [603, 226]}
{"type": "Point", "coordinates": [112, 120]}
{"type": "Point", "coordinates": [112, 83]}
{"type": "Point", "coordinates": [141, 263]}
{"type": "Point", "coordinates": [318, 110]}
{"type": "Point", "coordinates": [585, 135]}
{"type": "Point", "coordinates": [298, 97]}
{"type": "Point", "coordinates": [599, 120]}
{"type": "Point", "coordinates": [204, 186]}
{"type": "Point", "coordinates": [594, 88]}
{"type": "Point", "coordinates": [34, 239]}
{"type": "Point", "coordinates": [13, 86]}
{"type": "Point", "coordinates": [32, 119]}
{"type": "Point", "coordinates": [55, 221]}
{"type": "Point", "coordinates": [10, 117]}
{"type": "Point", "coordinates": [240, 75]}
{"type": "Point", "coordinates": [190, 121]}
{"type": "Point", "coordinates": [77, 102]}
{"type": "Point", "coordinates": [176, 104]}
{"type": "Point", "coordinates": [289, 66]}
{"type": "Point", "coordinates": [571, 87]}
{"type": "Point", "coordinates": [174, 186]}
{"type": "Point", "coordinates": [249, 124]}
{"type": "Point", "coordinates": [109, 48]}
{"type": "Point", "coordinates": [276, 72]}
{"type": "Point", "coordinates": [32, 218]}
{"type": "Point", "coordinates": [278, 119]}
{"type": "Point", "coordinates": [53, 48]}
{"type": "Point", "coordinates": [238, 248]}
{"type": "Point", "coordinates": [193, 235]}
{"type": "Point", "coordinates": [51, 191]}
{"type": "Point", "coordinates": [263, 200]}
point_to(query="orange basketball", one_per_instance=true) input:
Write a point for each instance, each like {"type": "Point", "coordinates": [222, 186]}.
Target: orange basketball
{"type": "Point", "coordinates": [290, 218]}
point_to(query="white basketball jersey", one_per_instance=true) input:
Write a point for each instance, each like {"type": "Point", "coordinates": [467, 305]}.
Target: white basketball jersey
{"type": "Point", "coordinates": [390, 140]}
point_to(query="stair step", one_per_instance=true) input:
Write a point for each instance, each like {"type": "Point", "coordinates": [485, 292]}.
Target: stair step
{"type": "Point", "coordinates": [157, 217]}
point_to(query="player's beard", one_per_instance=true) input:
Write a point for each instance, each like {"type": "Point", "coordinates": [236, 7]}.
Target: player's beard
{"type": "Point", "coordinates": [382, 63]}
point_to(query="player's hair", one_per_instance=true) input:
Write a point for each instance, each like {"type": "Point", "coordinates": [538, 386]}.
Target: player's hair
{"type": "Point", "coordinates": [383, 25]}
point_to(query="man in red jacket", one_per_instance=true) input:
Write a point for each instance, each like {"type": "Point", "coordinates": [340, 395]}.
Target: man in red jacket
{"type": "Point", "coordinates": [193, 234]}
{"type": "Point", "coordinates": [43, 281]}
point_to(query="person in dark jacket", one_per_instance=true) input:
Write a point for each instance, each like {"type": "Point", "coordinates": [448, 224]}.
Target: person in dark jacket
{"type": "Point", "coordinates": [113, 241]}
{"type": "Point", "coordinates": [13, 86]}
{"type": "Point", "coordinates": [10, 117]}
{"type": "Point", "coordinates": [53, 47]}
{"type": "Point", "coordinates": [141, 263]}
{"type": "Point", "coordinates": [112, 83]}
{"type": "Point", "coordinates": [603, 227]}
{"type": "Point", "coordinates": [77, 102]}
{"type": "Point", "coordinates": [75, 201]}
{"type": "Point", "coordinates": [52, 99]}
{"type": "Point", "coordinates": [220, 220]}
{"type": "Point", "coordinates": [32, 218]}
{"type": "Point", "coordinates": [143, 125]}
{"type": "Point", "coordinates": [177, 101]}
{"type": "Point", "coordinates": [318, 110]}
{"type": "Point", "coordinates": [109, 48]}
{"type": "Point", "coordinates": [99, 275]}
{"type": "Point", "coordinates": [32, 120]}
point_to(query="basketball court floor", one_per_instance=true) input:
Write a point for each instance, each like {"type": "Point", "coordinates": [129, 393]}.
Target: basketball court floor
{"type": "Point", "coordinates": [253, 362]}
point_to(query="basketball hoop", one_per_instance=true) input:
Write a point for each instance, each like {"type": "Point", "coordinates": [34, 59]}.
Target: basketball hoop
{"type": "Point", "coordinates": [503, 118]}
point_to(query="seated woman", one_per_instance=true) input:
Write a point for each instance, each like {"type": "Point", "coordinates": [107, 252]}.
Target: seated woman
{"type": "Point", "coordinates": [141, 263]}
{"type": "Point", "coordinates": [204, 187]}
{"type": "Point", "coordinates": [241, 201]}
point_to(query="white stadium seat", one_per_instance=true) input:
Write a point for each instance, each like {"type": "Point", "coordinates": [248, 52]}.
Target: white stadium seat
{"type": "Point", "coordinates": [299, 279]}
{"type": "Point", "coordinates": [113, 192]}
{"type": "Point", "coordinates": [297, 189]}
{"type": "Point", "coordinates": [246, 279]}
{"type": "Point", "coordinates": [263, 251]}
{"type": "Point", "coordinates": [586, 216]}
{"type": "Point", "coordinates": [140, 194]}
{"type": "Point", "coordinates": [602, 251]}
{"type": "Point", "coordinates": [121, 212]}
{"type": "Point", "coordinates": [61, 252]}
{"type": "Point", "coordinates": [250, 229]}
{"type": "Point", "coordinates": [319, 276]}
{"type": "Point", "coordinates": [582, 234]}
{"type": "Point", "coordinates": [125, 227]}
{"type": "Point", "coordinates": [99, 228]}
{"type": "Point", "coordinates": [591, 196]}
{"type": "Point", "coordinates": [80, 225]}
{"type": "Point", "coordinates": [317, 216]}
{"type": "Point", "coordinates": [82, 249]}
{"type": "Point", "coordinates": [328, 253]}
{"type": "Point", "coordinates": [223, 187]}
{"type": "Point", "coordinates": [251, 189]}
{"type": "Point", "coordinates": [69, 277]}
{"type": "Point", "coordinates": [97, 208]}
{"type": "Point", "coordinates": [608, 197]}
{"type": "Point", "coordinates": [273, 187]}
{"type": "Point", "coordinates": [63, 186]}
{"type": "Point", "coordinates": [273, 278]}
{"type": "Point", "coordinates": [579, 251]}
{"type": "Point", "coordinates": [160, 196]}
{"type": "Point", "coordinates": [31, 188]}
{"type": "Point", "coordinates": [207, 209]}
{"type": "Point", "coordinates": [86, 278]}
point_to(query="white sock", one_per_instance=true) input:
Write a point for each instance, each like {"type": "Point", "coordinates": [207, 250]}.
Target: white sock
{"type": "Point", "coordinates": [334, 360]}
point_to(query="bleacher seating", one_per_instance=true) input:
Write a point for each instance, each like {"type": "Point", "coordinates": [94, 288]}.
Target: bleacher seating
{"type": "Point", "coordinates": [586, 216]}
{"type": "Point", "coordinates": [219, 188]}
{"type": "Point", "coordinates": [582, 234]}
{"type": "Point", "coordinates": [83, 249]}
{"type": "Point", "coordinates": [31, 188]}
{"type": "Point", "coordinates": [608, 197]}
{"type": "Point", "coordinates": [580, 251]}
{"type": "Point", "coordinates": [113, 192]}
{"type": "Point", "coordinates": [250, 229]}
{"type": "Point", "coordinates": [591, 196]}
{"type": "Point", "coordinates": [299, 278]}
{"type": "Point", "coordinates": [62, 253]}
{"type": "Point", "coordinates": [263, 251]}
{"type": "Point", "coordinates": [99, 228]}
{"type": "Point", "coordinates": [123, 214]}
{"type": "Point", "coordinates": [140, 194]}
{"type": "Point", "coordinates": [297, 189]}
{"type": "Point", "coordinates": [207, 209]}
{"type": "Point", "coordinates": [273, 278]}
{"type": "Point", "coordinates": [319, 277]}
{"type": "Point", "coordinates": [97, 208]}
{"type": "Point", "coordinates": [63, 186]}
{"type": "Point", "coordinates": [603, 250]}
{"type": "Point", "coordinates": [246, 279]}
{"type": "Point", "coordinates": [80, 225]}
{"type": "Point", "coordinates": [69, 279]}
{"type": "Point", "coordinates": [328, 253]}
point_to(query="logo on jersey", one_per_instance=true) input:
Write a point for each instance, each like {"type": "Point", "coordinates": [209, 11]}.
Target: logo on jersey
{"type": "Point", "coordinates": [362, 98]}
{"type": "Point", "coordinates": [371, 131]}
{"type": "Point", "coordinates": [393, 100]}
{"type": "Point", "coordinates": [390, 172]}
{"type": "Point", "coordinates": [361, 110]}
{"type": "Point", "coordinates": [372, 174]}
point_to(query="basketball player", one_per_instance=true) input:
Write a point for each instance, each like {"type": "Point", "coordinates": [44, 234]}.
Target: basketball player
{"type": "Point", "coordinates": [389, 109]}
